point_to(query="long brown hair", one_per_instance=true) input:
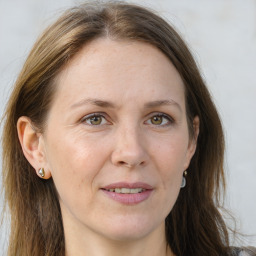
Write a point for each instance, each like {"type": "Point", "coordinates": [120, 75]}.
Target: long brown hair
{"type": "Point", "coordinates": [194, 226]}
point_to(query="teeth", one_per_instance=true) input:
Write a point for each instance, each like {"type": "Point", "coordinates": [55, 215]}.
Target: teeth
{"type": "Point", "coordinates": [126, 190]}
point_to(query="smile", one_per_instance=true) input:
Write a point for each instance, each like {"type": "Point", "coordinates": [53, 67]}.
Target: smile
{"type": "Point", "coordinates": [128, 193]}
{"type": "Point", "coordinates": [126, 190]}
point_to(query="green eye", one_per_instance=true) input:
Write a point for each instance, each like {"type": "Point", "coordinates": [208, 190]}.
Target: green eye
{"type": "Point", "coordinates": [95, 119]}
{"type": "Point", "coordinates": [156, 120]}
{"type": "Point", "coordinates": [160, 120]}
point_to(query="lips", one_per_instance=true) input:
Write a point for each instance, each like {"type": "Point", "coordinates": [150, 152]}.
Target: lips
{"type": "Point", "coordinates": [128, 193]}
{"type": "Point", "coordinates": [142, 185]}
{"type": "Point", "coordinates": [126, 190]}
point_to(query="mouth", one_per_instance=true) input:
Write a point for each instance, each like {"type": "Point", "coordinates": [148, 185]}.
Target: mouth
{"type": "Point", "coordinates": [128, 193]}
{"type": "Point", "coordinates": [126, 190]}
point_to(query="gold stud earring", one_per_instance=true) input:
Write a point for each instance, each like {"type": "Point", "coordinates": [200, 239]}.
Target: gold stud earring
{"type": "Point", "coordinates": [41, 172]}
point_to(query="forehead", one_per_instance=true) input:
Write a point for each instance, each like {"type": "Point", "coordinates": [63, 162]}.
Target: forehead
{"type": "Point", "coordinates": [121, 69]}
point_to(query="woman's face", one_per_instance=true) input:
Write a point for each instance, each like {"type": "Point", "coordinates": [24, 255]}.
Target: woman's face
{"type": "Point", "coordinates": [117, 141]}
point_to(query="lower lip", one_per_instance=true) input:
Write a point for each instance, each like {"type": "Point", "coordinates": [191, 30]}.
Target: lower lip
{"type": "Point", "coordinates": [129, 199]}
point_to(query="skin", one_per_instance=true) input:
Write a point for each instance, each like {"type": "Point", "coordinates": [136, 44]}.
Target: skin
{"type": "Point", "coordinates": [133, 138]}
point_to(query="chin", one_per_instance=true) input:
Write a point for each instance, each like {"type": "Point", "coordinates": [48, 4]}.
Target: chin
{"type": "Point", "coordinates": [127, 235]}
{"type": "Point", "coordinates": [127, 229]}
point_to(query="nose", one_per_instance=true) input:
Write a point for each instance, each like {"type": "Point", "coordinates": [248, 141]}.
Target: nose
{"type": "Point", "coordinates": [129, 149]}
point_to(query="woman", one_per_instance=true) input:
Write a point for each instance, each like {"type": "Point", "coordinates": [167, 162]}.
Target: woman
{"type": "Point", "coordinates": [112, 144]}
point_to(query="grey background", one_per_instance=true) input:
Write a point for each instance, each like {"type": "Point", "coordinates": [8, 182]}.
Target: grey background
{"type": "Point", "coordinates": [222, 37]}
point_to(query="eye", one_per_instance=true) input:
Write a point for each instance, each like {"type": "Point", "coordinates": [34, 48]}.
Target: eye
{"type": "Point", "coordinates": [94, 119]}
{"type": "Point", "coordinates": [160, 119]}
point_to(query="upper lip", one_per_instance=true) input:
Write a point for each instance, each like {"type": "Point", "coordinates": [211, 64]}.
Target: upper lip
{"type": "Point", "coordinates": [128, 185]}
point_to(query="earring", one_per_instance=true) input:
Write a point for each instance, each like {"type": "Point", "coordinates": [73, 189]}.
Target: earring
{"type": "Point", "coordinates": [183, 182]}
{"type": "Point", "coordinates": [41, 172]}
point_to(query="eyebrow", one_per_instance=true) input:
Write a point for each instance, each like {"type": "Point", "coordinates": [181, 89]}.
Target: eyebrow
{"type": "Point", "coordinates": [159, 103]}
{"type": "Point", "coordinates": [108, 104]}
{"type": "Point", "coordinates": [96, 102]}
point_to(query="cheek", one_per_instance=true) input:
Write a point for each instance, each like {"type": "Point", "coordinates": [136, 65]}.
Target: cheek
{"type": "Point", "coordinates": [74, 152]}
{"type": "Point", "coordinates": [74, 162]}
{"type": "Point", "coordinates": [170, 158]}
{"type": "Point", "coordinates": [170, 170]}
{"type": "Point", "coordinates": [172, 153]}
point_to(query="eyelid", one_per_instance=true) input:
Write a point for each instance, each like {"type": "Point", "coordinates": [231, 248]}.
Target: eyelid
{"type": "Point", "coordinates": [166, 116]}
{"type": "Point", "coordinates": [151, 115]}
{"type": "Point", "coordinates": [95, 114]}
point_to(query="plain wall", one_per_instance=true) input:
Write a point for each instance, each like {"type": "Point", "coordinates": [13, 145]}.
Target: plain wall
{"type": "Point", "coordinates": [222, 37]}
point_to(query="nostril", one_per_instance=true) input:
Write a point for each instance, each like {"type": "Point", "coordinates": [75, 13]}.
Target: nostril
{"type": "Point", "coordinates": [125, 164]}
{"type": "Point", "coordinates": [130, 165]}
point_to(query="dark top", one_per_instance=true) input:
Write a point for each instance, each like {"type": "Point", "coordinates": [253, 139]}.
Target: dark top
{"type": "Point", "coordinates": [246, 251]}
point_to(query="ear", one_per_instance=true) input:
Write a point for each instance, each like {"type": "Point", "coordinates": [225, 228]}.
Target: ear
{"type": "Point", "coordinates": [32, 144]}
{"type": "Point", "coordinates": [192, 142]}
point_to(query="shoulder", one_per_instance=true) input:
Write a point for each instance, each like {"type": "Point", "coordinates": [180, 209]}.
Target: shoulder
{"type": "Point", "coordinates": [244, 251]}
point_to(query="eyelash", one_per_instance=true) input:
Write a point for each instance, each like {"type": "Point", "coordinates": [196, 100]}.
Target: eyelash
{"type": "Point", "coordinates": [169, 120]}
{"type": "Point", "coordinates": [88, 118]}
{"type": "Point", "coordinates": [94, 115]}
